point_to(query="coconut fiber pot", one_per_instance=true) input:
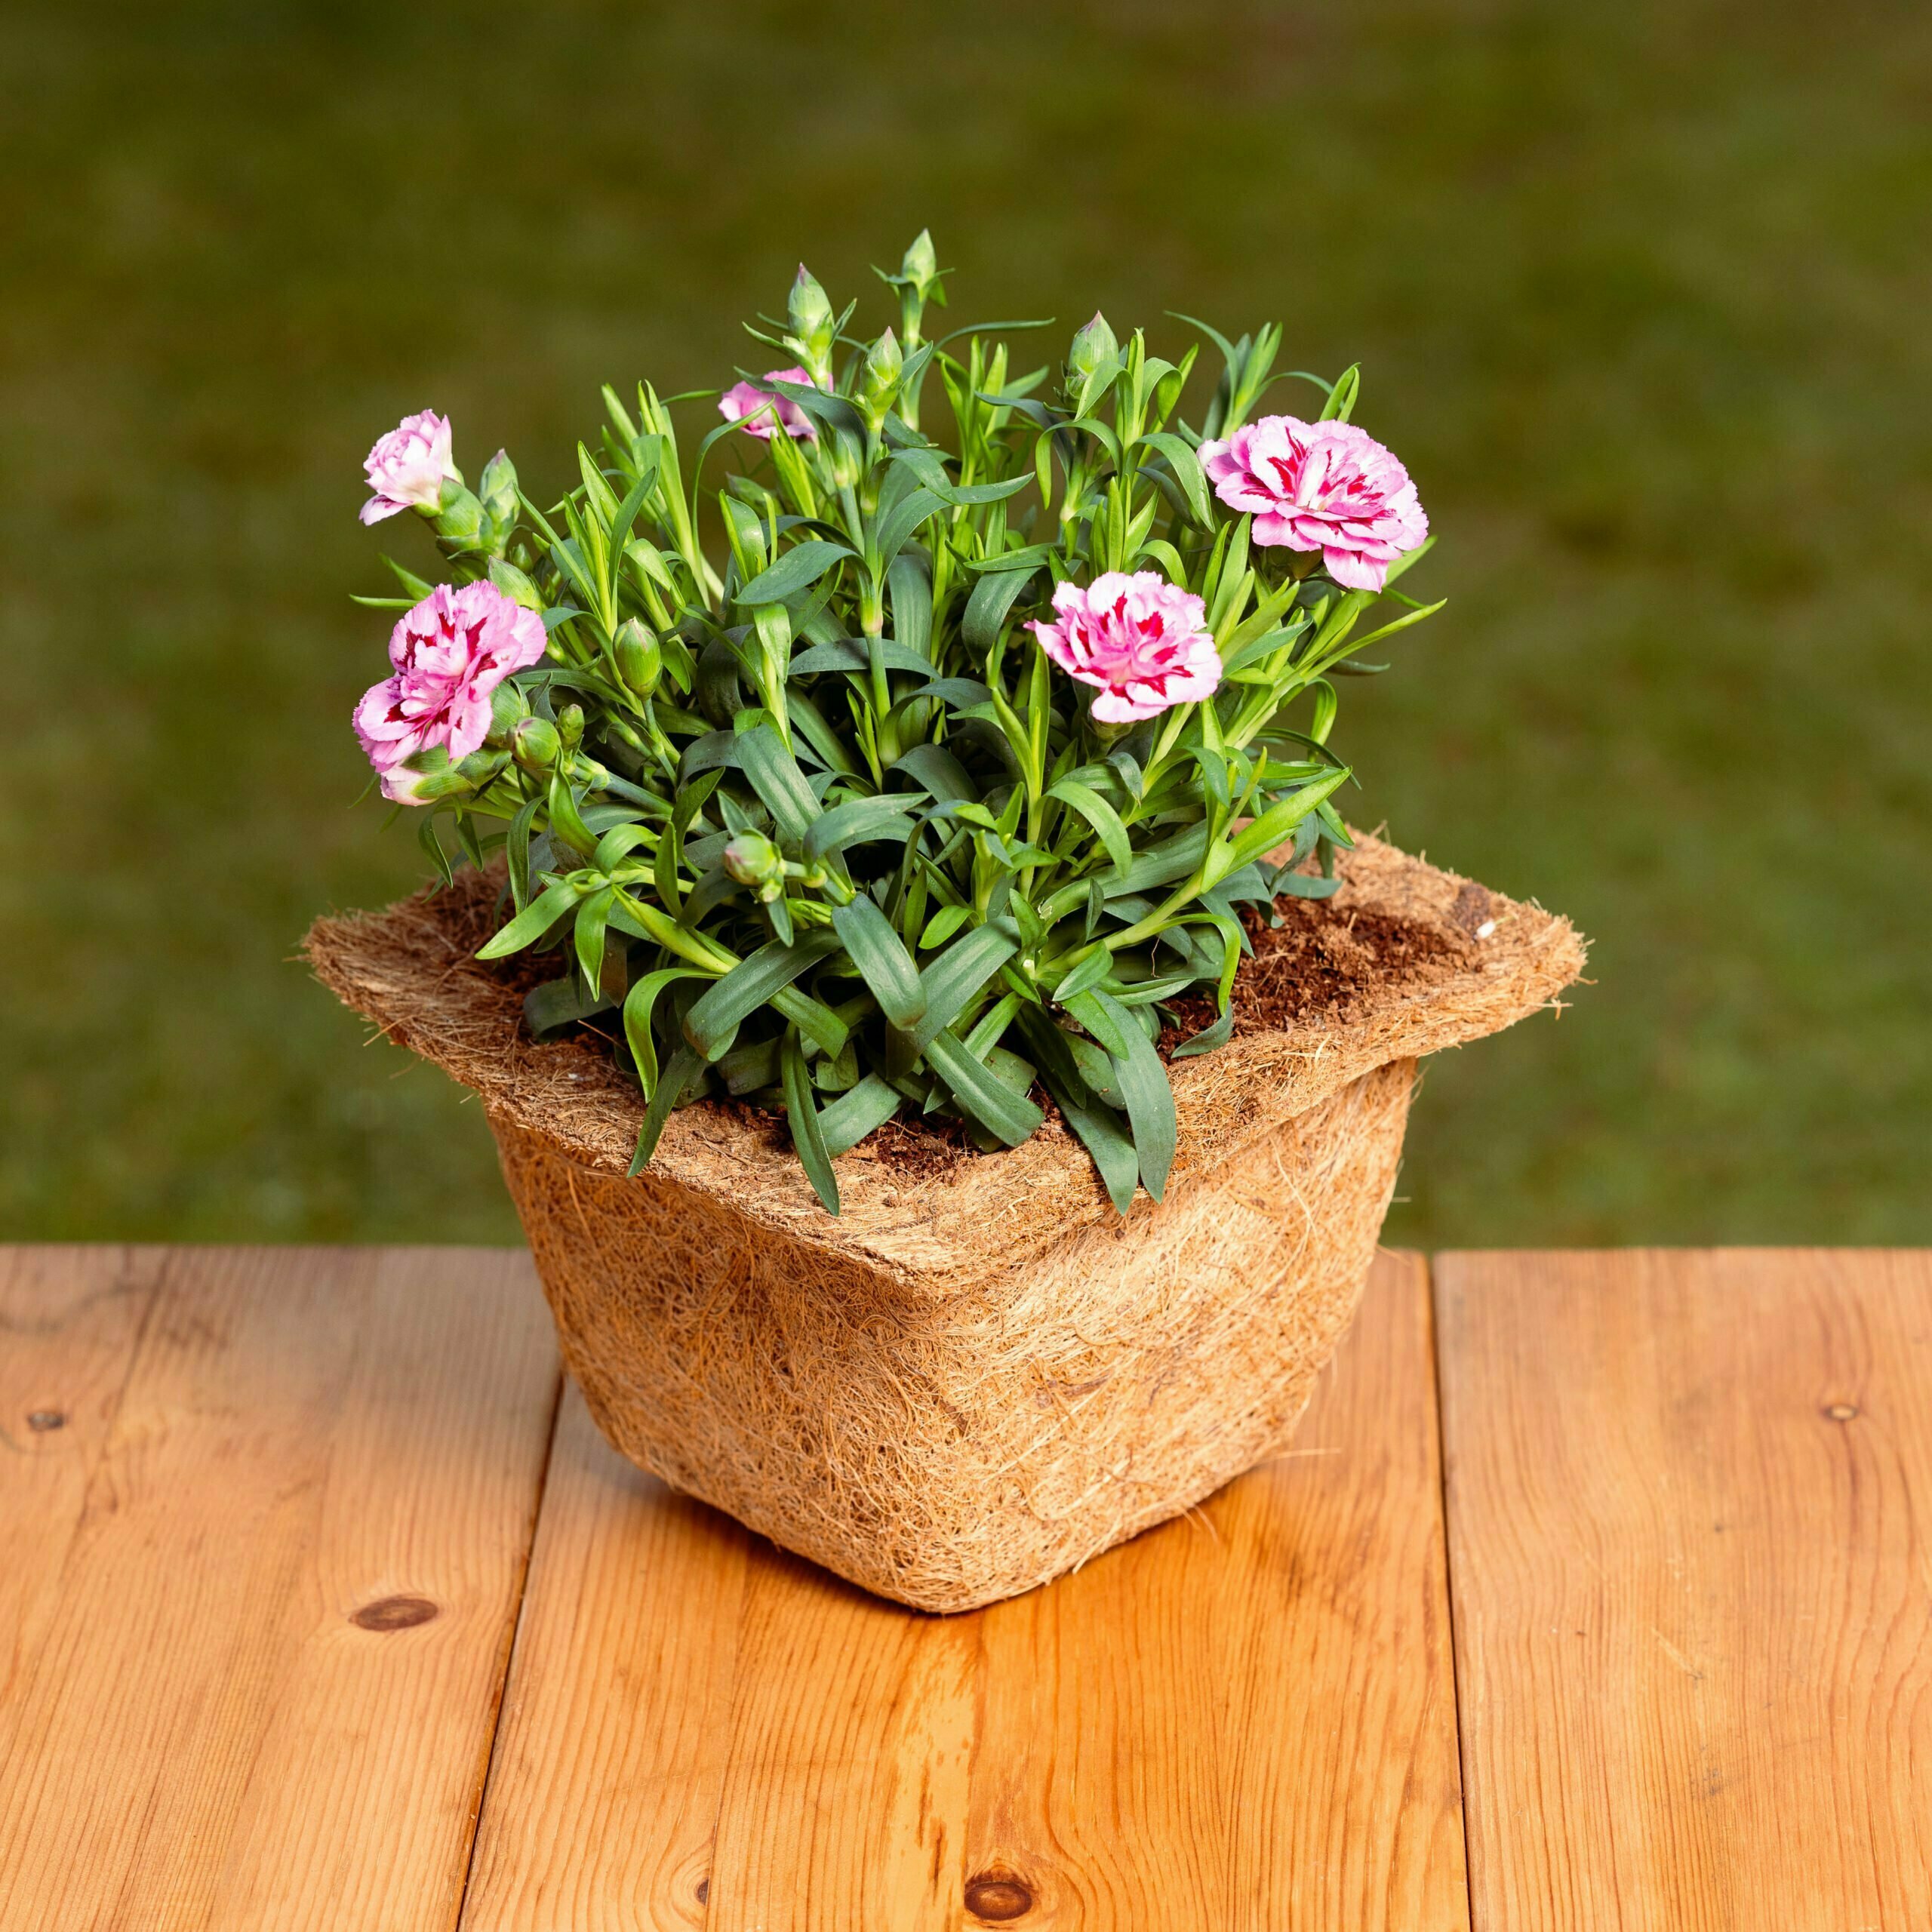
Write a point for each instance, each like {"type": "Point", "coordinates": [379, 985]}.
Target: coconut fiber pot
{"type": "Point", "coordinates": [979, 1375]}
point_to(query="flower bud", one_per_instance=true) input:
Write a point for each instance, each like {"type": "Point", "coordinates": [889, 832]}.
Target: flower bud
{"type": "Point", "coordinates": [570, 726]}
{"type": "Point", "coordinates": [515, 584]}
{"type": "Point", "coordinates": [458, 520]}
{"type": "Point", "coordinates": [878, 381]}
{"type": "Point", "coordinates": [920, 265]}
{"type": "Point", "coordinates": [1093, 347]}
{"type": "Point", "coordinates": [845, 460]}
{"type": "Point", "coordinates": [508, 708]}
{"type": "Point", "coordinates": [535, 746]}
{"type": "Point", "coordinates": [498, 489]}
{"type": "Point", "coordinates": [640, 661]}
{"type": "Point", "coordinates": [752, 859]}
{"type": "Point", "coordinates": [813, 328]}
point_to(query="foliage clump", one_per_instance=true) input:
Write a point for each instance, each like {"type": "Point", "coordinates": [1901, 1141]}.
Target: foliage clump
{"type": "Point", "coordinates": [933, 783]}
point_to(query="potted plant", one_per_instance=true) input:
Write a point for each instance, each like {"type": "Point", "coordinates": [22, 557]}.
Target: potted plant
{"type": "Point", "coordinates": [948, 1050]}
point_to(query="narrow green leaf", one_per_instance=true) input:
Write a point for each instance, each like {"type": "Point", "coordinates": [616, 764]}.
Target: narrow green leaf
{"type": "Point", "coordinates": [885, 816]}
{"type": "Point", "coordinates": [1188, 472]}
{"type": "Point", "coordinates": [532, 923]}
{"type": "Point", "coordinates": [957, 973]}
{"type": "Point", "coordinates": [638, 1004]}
{"type": "Point", "coordinates": [993, 597]}
{"type": "Point", "coordinates": [1208, 1038]}
{"type": "Point", "coordinates": [1143, 1082]}
{"type": "Point", "coordinates": [802, 1110]}
{"type": "Point", "coordinates": [855, 1114]}
{"type": "Point", "coordinates": [1100, 815]}
{"type": "Point", "coordinates": [1279, 820]}
{"type": "Point", "coordinates": [881, 956]}
{"type": "Point", "coordinates": [799, 569]}
{"type": "Point", "coordinates": [714, 1017]}
{"type": "Point", "coordinates": [982, 1092]}
{"type": "Point", "coordinates": [684, 1068]}
{"type": "Point", "coordinates": [774, 773]}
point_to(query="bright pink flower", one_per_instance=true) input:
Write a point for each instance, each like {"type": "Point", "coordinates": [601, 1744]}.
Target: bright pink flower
{"type": "Point", "coordinates": [1138, 637]}
{"type": "Point", "coordinates": [407, 467]}
{"type": "Point", "coordinates": [450, 652]}
{"type": "Point", "coordinates": [1321, 486]}
{"type": "Point", "coordinates": [751, 408]}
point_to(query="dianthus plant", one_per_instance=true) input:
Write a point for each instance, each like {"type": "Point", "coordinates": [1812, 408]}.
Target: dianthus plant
{"type": "Point", "coordinates": [930, 779]}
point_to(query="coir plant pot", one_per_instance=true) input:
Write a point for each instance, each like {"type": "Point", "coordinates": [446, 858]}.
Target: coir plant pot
{"type": "Point", "coordinates": [980, 1374]}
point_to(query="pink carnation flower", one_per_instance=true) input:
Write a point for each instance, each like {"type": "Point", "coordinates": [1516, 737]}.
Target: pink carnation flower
{"type": "Point", "coordinates": [407, 467]}
{"type": "Point", "coordinates": [1329, 487]}
{"type": "Point", "coordinates": [1138, 637]}
{"type": "Point", "coordinates": [752, 407]}
{"type": "Point", "coordinates": [450, 652]}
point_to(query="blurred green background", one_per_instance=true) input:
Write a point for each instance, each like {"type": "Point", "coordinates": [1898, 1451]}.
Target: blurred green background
{"type": "Point", "coordinates": [1641, 292]}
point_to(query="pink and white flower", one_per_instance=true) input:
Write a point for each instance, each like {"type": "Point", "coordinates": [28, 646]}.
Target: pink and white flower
{"type": "Point", "coordinates": [1329, 487]}
{"type": "Point", "coordinates": [1140, 639]}
{"type": "Point", "coordinates": [407, 467]}
{"type": "Point", "coordinates": [450, 652]}
{"type": "Point", "coordinates": [753, 408]}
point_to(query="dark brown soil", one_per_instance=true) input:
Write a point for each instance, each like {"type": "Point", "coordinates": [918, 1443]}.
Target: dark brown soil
{"type": "Point", "coordinates": [1314, 966]}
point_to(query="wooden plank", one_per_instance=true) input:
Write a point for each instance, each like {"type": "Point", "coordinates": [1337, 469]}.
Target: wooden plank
{"type": "Point", "coordinates": [702, 1731]}
{"type": "Point", "coordinates": [1246, 1722]}
{"type": "Point", "coordinates": [1691, 1513]}
{"type": "Point", "coordinates": [284, 1587]}
{"type": "Point", "coordinates": [1241, 1720]}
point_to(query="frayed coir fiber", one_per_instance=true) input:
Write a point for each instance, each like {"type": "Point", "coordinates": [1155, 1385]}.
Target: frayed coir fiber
{"type": "Point", "coordinates": [978, 1377]}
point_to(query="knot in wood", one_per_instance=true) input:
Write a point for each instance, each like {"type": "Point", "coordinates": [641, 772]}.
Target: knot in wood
{"type": "Point", "coordinates": [998, 1896]}
{"type": "Point", "coordinates": [393, 1613]}
{"type": "Point", "coordinates": [41, 1420]}
{"type": "Point", "coordinates": [1841, 1411]}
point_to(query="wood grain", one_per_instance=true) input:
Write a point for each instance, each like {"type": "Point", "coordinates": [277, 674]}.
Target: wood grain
{"type": "Point", "coordinates": [1690, 1511]}
{"type": "Point", "coordinates": [1245, 1722]}
{"type": "Point", "coordinates": [1243, 1719]}
{"type": "Point", "coordinates": [253, 1672]}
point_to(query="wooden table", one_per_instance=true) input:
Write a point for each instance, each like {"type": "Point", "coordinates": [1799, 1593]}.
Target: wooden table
{"type": "Point", "coordinates": [1597, 1593]}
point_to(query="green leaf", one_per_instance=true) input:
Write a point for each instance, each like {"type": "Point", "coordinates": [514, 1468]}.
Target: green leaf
{"type": "Point", "coordinates": [684, 1068]}
{"type": "Point", "coordinates": [532, 923]}
{"type": "Point", "coordinates": [938, 772]}
{"type": "Point", "coordinates": [1144, 1083]}
{"type": "Point", "coordinates": [774, 772]}
{"type": "Point", "coordinates": [957, 973]}
{"type": "Point", "coordinates": [802, 1110]}
{"type": "Point", "coordinates": [1277, 821]}
{"type": "Point", "coordinates": [981, 1092]}
{"type": "Point", "coordinates": [1208, 1038]}
{"type": "Point", "coordinates": [850, 654]}
{"type": "Point", "coordinates": [799, 569]}
{"type": "Point", "coordinates": [812, 1017]}
{"type": "Point", "coordinates": [896, 526]}
{"type": "Point", "coordinates": [942, 925]}
{"type": "Point", "coordinates": [993, 597]}
{"type": "Point", "coordinates": [639, 1003]}
{"type": "Point", "coordinates": [557, 1004]}
{"type": "Point", "coordinates": [713, 1021]}
{"type": "Point", "coordinates": [881, 956]}
{"type": "Point", "coordinates": [1088, 973]}
{"type": "Point", "coordinates": [862, 1110]}
{"type": "Point", "coordinates": [884, 817]}
{"type": "Point", "coordinates": [1100, 815]}
{"type": "Point", "coordinates": [1173, 859]}
{"type": "Point", "coordinates": [516, 852]}
{"type": "Point", "coordinates": [1188, 472]}
{"type": "Point", "coordinates": [593, 912]}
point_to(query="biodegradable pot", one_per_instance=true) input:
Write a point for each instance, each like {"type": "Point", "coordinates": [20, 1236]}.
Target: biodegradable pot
{"type": "Point", "coordinates": [974, 1379]}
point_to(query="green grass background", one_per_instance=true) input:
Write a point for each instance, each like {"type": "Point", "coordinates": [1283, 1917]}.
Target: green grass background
{"type": "Point", "coordinates": [1641, 292]}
